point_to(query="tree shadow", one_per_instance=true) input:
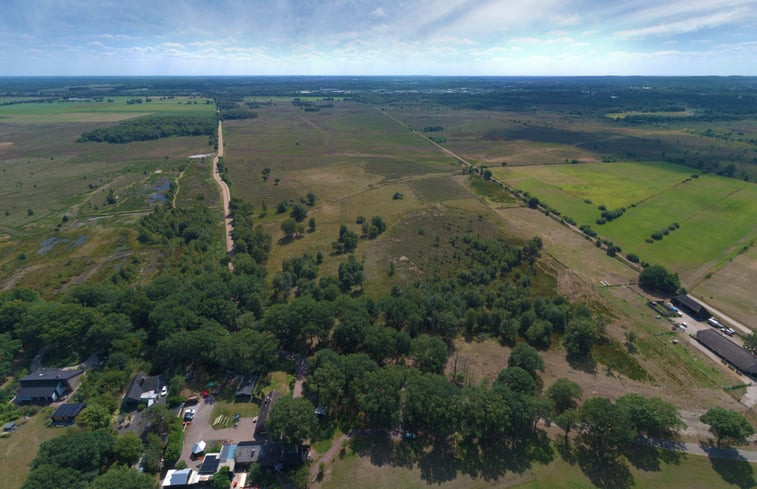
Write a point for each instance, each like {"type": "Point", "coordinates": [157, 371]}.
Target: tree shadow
{"type": "Point", "coordinates": [650, 459]}
{"type": "Point", "coordinates": [566, 451]}
{"type": "Point", "coordinates": [733, 468]}
{"type": "Point", "coordinates": [583, 363]}
{"type": "Point", "coordinates": [603, 470]}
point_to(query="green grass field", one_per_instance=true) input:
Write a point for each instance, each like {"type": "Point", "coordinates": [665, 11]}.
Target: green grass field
{"type": "Point", "coordinates": [105, 111]}
{"type": "Point", "coordinates": [20, 448]}
{"type": "Point", "coordinates": [715, 213]}
{"type": "Point", "coordinates": [385, 467]}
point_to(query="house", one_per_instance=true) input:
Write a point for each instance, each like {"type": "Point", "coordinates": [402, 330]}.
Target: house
{"type": "Point", "coordinates": [66, 413]}
{"type": "Point", "coordinates": [247, 453]}
{"type": "Point", "coordinates": [180, 479]}
{"type": "Point", "coordinates": [265, 409]}
{"type": "Point", "coordinates": [47, 385]}
{"type": "Point", "coordinates": [728, 351]}
{"type": "Point", "coordinates": [691, 307]}
{"type": "Point", "coordinates": [143, 389]}
{"type": "Point", "coordinates": [246, 388]}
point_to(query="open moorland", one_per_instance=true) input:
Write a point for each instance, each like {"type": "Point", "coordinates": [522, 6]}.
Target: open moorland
{"type": "Point", "coordinates": [388, 268]}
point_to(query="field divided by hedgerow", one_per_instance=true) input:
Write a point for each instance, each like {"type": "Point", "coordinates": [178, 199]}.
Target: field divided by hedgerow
{"type": "Point", "coordinates": [715, 214]}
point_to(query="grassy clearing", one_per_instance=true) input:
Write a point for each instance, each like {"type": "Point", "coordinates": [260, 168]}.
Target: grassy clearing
{"type": "Point", "coordinates": [646, 468]}
{"type": "Point", "coordinates": [731, 288]}
{"type": "Point", "coordinates": [439, 189]}
{"type": "Point", "coordinates": [223, 413]}
{"type": "Point", "coordinates": [491, 191]}
{"type": "Point", "coordinates": [90, 111]}
{"type": "Point", "coordinates": [275, 381]}
{"type": "Point", "coordinates": [20, 448]}
{"type": "Point", "coordinates": [720, 207]}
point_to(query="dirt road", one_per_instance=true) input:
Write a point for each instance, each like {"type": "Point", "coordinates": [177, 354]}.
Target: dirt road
{"type": "Point", "coordinates": [225, 194]}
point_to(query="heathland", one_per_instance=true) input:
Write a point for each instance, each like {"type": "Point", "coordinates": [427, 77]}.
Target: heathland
{"type": "Point", "coordinates": [386, 242]}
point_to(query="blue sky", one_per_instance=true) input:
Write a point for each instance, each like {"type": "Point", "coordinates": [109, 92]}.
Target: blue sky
{"type": "Point", "coordinates": [360, 37]}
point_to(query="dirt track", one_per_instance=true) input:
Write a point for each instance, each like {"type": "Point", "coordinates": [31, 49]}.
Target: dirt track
{"type": "Point", "coordinates": [225, 194]}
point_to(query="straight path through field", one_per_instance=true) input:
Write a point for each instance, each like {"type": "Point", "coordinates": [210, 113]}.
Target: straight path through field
{"type": "Point", "coordinates": [225, 194]}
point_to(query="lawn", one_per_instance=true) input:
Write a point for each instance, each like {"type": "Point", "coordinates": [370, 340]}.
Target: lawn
{"type": "Point", "coordinates": [380, 467]}
{"type": "Point", "coordinates": [655, 196]}
{"type": "Point", "coordinates": [223, 413]}
{"type": "Point", "coordinates": [19, 449]}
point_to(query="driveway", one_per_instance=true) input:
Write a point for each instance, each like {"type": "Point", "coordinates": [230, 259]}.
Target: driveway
{"type": "Point", "coordinates": [200, 429]}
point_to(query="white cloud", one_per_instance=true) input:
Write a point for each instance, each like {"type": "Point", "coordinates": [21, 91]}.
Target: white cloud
{"type": "Point", "coordinates": [691, 24]}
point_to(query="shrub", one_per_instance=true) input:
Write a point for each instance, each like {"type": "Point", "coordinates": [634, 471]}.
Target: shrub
{"type": "Point", "coordinates": [632, 258]}
{"type": "Point", "coordinates": [656, 235]}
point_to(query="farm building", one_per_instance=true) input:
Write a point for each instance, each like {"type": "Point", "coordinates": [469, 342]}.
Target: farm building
{"type": "Point", "coordinates": [66, 413]}
{"type": "Point", "coordinates": [691, 307]}
{"type": "Point", "coordinates": [728, 351]}
{"type": "Point", "coordinates": [47, 385]}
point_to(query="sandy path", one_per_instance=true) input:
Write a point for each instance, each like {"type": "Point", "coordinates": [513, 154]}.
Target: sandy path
{"type": "Point", "coordinates": [225, 194]}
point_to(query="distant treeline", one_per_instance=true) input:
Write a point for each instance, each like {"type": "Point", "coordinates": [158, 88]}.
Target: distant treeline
{"type": "Point", "coordinates": [238, 113]}
{"type": "Point", "coordinates": [154, 127]}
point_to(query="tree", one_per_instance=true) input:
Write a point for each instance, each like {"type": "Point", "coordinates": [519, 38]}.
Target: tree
{"type": "Point", "coordinates": [650, 416]}
{"type": "Point", "coordinates": [94, 417]}
{"type": "Point", "coordinates": [123, 478]}
{"type": "Point", "coordinates": [378, 395]}
{"type": "Point", "coordinates": [311, 224]}
{"type": "Point", "coordinates": [222, 478]}
{"type": "Point", "coordinates": [580, 336]}
{"type": "Point", "coordinates": [289, 226]}
{"type": "Point", "coordinates": [310, 197]}
{"type": "Point", "coordinates": [533, 203]}
{"type": "Point", "coordinates": [527, 358]}
{"type": "Point", "coordinates": [86, 452]}
{"type": "Point", "coordinates": [484, 414]}
{"type": "Point", "coordinates": [47, 476]}
{"type": "Point", "coordinates": [727, 425]}
{"type": "Point", "coordinates": [518, 380]}
{"type": "Point", "coordinates": [657, 278]}
{"type": "Point", "coordinates": [564, 393]}
{"type": "Point", "coordinates": [299, 212]}
{"type": "Point", "coordinates": [291, 421]}
{"type": "Point", "coordinates": [127, 449]}
{"type": "Point", "coordinates": [429, 353]}
{"type": "Point", "coordinates": [567, 420]}
{"type": "Point", "coordinates": [346, 242]}
{"type": "Point", "coordinates": [750, 342]}
{"type": "Point", "coordinates": [607, 429]}
{"type": "Point", "coordinates": [429, 404]}
{"type": "Point", "coordinates": [350, 274]}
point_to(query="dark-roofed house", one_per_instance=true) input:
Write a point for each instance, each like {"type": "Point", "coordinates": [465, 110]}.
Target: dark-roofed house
{"type": "Point", "coordinates": [47, 385]}
{"type": "Point", "coordinates": [142, 389]}
{"type": "Point", "coordinates": [210, 464]}
{"type": "Point", "coordinates": [728, 351]}
{"type": "Point", "coordinates": [265, 410]}
{"type": "Point", "coordinates": [246, 388]}
{"type": "Point", "coordinates": [66, 413]}
{"type": "Point", "coordinates": [691, 307]}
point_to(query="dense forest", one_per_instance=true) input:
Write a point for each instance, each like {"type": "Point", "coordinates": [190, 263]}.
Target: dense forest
{"type": "Point", "coordinates": [152, 127]}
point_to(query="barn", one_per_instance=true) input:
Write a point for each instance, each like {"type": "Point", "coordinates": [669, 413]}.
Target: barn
{"type": "Point", "coordinates": [691, 307]}
{"type": "Point", "coordinates": [728, 351]}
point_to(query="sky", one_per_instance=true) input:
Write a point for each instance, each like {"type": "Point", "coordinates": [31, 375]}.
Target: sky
{"type": "Point", "coordinates": [381, 37]}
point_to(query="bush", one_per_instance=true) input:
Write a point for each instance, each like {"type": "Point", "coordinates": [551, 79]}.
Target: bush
{"type": "Point", "coordinates": [398, 196]}
{"type": "Point", "coordinates": [632, 258]}
{"type": "Point", "coordinates": [656, 235]}
{"type": "Point", "coordinates": [657, 278]}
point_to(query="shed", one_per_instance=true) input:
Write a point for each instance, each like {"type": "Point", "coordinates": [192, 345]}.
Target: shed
{"type": "Point", "coordinates": [10, 427]}
{"type": "Point", "coordinates": [728, 351]}
{"type": "Point", "coordinates": [691, 307]}
{"type": "Point", "coordinates": [198, 447]}
{"type": "Point", "coordinates": [179, 479]}
{"type": "Point", "coordinates": [246, 388]}
{"type": "Point", "coordinates": [66, 413]}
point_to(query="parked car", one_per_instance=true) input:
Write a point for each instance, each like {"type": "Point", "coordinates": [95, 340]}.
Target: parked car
{"type": "Point", "coordinates": [189, 414]}
{"type": "Point", "coordinates": [164, 391]}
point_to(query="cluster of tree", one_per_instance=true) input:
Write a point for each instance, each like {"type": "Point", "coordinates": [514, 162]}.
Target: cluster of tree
{"type": "Point", "coordinates": [249, 240]}
{"type": "Point", "coordinates": [658, 235]}
{"type": "Point", "coordinates": [238, 113]}
{"type": "Point", "coordinates": [610, 215]}
{"type": "Point", "coordinates": [346, 242]}
{"type": "Point", "coordinates": [371, 229]}
{"type": "Point", "coordinates": [433, 129]}
{"type": "Point", "coordinates": [89, 460]}
{"type": "Point", "coordinates": [194, 227]}
{"type": "Point", "coordinates": [728, 425]}
{"type": "Point", "coordinates": [152, 127]}
{"type": "Point", "coordinates": [657, 278]}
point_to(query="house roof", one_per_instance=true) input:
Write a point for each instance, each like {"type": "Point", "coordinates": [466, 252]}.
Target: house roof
{"type": "Point", "coordinates": [265, 409]}
{"type": "Point", "coordinates": [142, 383]}
{"type": "Point", "coordinates": [210, 464]}
{"type": "Point", "coordinates": [177, 477]}
{"type": "Point", "coordinates": [50, 374]}
{"type": "Point", "coordinates": [247, 452]}
{"type": "Point", "coordinates": [688, 302]}
{"type": "Point", "coordinates": [69, 410]}
{"type": "Point", "coordinates": [44, 390]}
{"type": "Point", "coordinates": [728, 350]}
